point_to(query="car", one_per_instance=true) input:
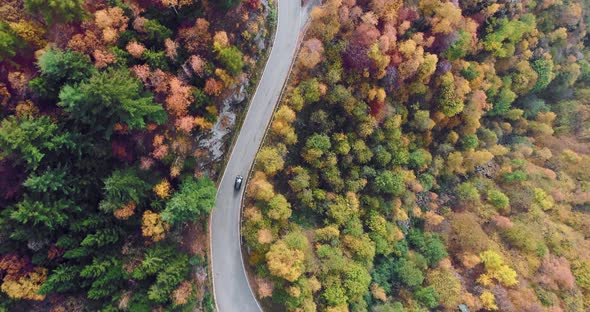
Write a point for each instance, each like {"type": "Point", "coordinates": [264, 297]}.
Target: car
{"type": "Point", "coordinates": [238, 183]}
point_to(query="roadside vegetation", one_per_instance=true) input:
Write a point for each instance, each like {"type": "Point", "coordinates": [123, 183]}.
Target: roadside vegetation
{"type": "Point", "coordinates": [428, 154]}
{"type": "Point", "coordinates": [105, 191]}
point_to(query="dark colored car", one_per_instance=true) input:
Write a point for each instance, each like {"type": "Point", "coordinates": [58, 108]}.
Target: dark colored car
{"type": "Point", "coordinates": [238, 183]}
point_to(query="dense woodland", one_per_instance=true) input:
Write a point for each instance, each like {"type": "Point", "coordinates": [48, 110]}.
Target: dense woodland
{"type": "Point", "coordinates": [429, 154]}
{"type": "Point", "coordinates": [102, 207]}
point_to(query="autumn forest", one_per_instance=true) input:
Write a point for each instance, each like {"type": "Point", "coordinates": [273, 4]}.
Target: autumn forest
{"type": "Point", "coordinates": [429, 155]}
{"type": "Point", "coordinates": [105, 182]}
{"type": "Point", "coordinates": [426, 155]}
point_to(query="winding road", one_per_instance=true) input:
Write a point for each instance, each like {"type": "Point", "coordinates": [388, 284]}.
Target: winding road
{"type": "Point", "coordinates": [231, 288]}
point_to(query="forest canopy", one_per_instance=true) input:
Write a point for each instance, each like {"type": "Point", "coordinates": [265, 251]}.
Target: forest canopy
{"type": "Point", "coordinates": [428, 154]}
{"type": "Point", "coordinates": [105, 183]}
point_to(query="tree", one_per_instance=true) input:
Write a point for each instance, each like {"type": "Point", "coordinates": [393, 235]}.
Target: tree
{"type": "Point", "coordinates": [501, 40]}
{"type": "Point", "coordinates": [196, 38]}
{"type": "Point", "coordinates": [61, 279]}
{"type": "Point", "coordinates": [10, 43]}
{"type": "Point", "coordinates": [122, 187]}
{"type": "Point", "coordinates": [407, 273]}
{"type": "Point", "coordinates": [498, 199]}
{"type": "Point", "coordinates": [105, 276]}
{"type": "Point", "coordinates": [231, 58]}
{"type": "Point", "coordinates": [163, 189]}
{"type": "Point", "coordinates": [427, 296]}
{"type": "Point", "coordinates": [311, 53]}
{"type": "Point", "coordinates": [111, 21]}
{"type": "Point", "coordinates": [488, 300]}
{"type": "Point", "coordinates": [301, 179]}
{"type": "Point", "coordinates": [156, 32]}
{"type": "Point", "coordinates": [27, 286]}
{"type": "Point", "coordinates": [171, 273]}
{"type": "Point", "coordinates": [389, 183]}
{"type": "Point", "coordinates": [135, 49]}
{"type": "Point", "coordinates": [281, 125]}
{"type": "Point", "coordinates": [270, 159]}
{"type": "Point", "coordinates": [469, 141]}
{"type": "Point", "coordinates": [420, 158]}
{"type": "Point", "coordinates": [310, 90]}
{"type": "Point", "coordinates": [152, 226]}
{"type": "Point", "coordinates": [59, 68]}
{"type": "Point", "coordinates": [33, 140]}
{"type": "Point", "coordinates": [422, 121]}
{"type": "Point", "coordinates": [180, 97]}
{"type": "Point", "coordinates": [335, 295]}
{"type": "Point", "coordinates": [496, 269]}
{"type": "Point", "coordinates": [449, 102]}
{"type": "Point", "coordinates": [108, 98]}
{"type": "Point", "coordinates": [429, 245]}
{"type": "Point", "coordinates": [467, 235]}
{"type": "Point", "coordinates": [279, 208]}
{"type": "Point", "coordinates": [556, 273]}
{"type": "Point", "coordinates": [66, 11]}
{"type": "Point", "coordinates": [260, 188]}
{"type": "Point", "coordinates": [460, 46]}
{"type": "Point", "coordinates": [503, 102]}
{"type": "Point", "coordinates": [315, 146]}
{"type": "Point", "coordinates": [285, 262]}
{"type": "Point", "coordinates": [182, 294]}
{"type": "Point", "coordinates": [356, 281]}
{"type": "Point", "coordinates": [544, 68]}
{"type": "Point", "coordinates": [195, 199]}
{"type": "Point", "coordinates": [468, 194]}
{"type": "Point", "coordinates": [52, 215]}
{"type": "Point", "coordinates": [446, 285]}
{"type": "Point", "coordinates": [543, 200]}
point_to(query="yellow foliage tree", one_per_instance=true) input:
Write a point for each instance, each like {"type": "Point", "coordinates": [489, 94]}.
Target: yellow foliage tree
{"type": "Point", "coordinates": [496, 269]}
{"type": "Point", "coordinates": [488, 300]}
{"type": "Point", "coordinates": [380, 60]}
{"type": "Point", "coordinates": [220, 40]}
{"type": "Point", "coordinates": [285, 262]}
{"type": "Point", "coordinates": [31, 32]}
{"type": "Point", "coordinates": [153, 227]}
{"type": "Point", "coordinates": [281, 125]}
{"type": "Point", "coordinates": [270, 159]}
{"type": "Point", "coordinates": [163, 189]}
{"type": "Point", "coordinates": [27, 286]}
{"type": "Point", "coordinates": [202, 123]}
{"type": "Point", "coordinates": [378, 292]}
{"type": "Point", "coordinates": [543, 200]}
{"type": "Point", "coordinates": [260, 188]}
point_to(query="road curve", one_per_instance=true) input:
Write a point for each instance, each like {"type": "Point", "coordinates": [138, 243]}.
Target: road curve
{"type": "Point", "coordinates": [231, 288]}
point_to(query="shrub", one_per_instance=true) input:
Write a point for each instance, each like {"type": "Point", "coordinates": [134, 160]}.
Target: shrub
{"type": "Point", "coordinates": [498, 199]}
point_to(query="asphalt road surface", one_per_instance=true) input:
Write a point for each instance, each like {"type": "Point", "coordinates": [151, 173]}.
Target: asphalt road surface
{"type": "Point", "coordinates": [231, 287]}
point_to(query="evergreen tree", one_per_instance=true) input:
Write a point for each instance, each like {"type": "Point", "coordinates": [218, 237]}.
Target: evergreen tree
{"type": "Point", "coordinates": [195, 198]}
{"type": "Point", "coordinates": [65, 11]}
{"type": "Point", "coordinates": [108, 98]}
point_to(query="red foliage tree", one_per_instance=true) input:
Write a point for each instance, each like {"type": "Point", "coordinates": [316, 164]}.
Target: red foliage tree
{"type": "Point", "coordinates": [122, 150]}
{"type": "Point", "coordinates": [356, 57]}
{"type": "Point", "coordinates": [556, 273]}
{"type": "Point", "coordinates": [12, 267]}
{"type": "Point", "coordinates": [253, 4]}
{"type": "Point", "coordinates": [377, 109]}
{"type": "Point", "coordinates": [179, 97]}
{"type": "Point", "coordinates": [196, 38]}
